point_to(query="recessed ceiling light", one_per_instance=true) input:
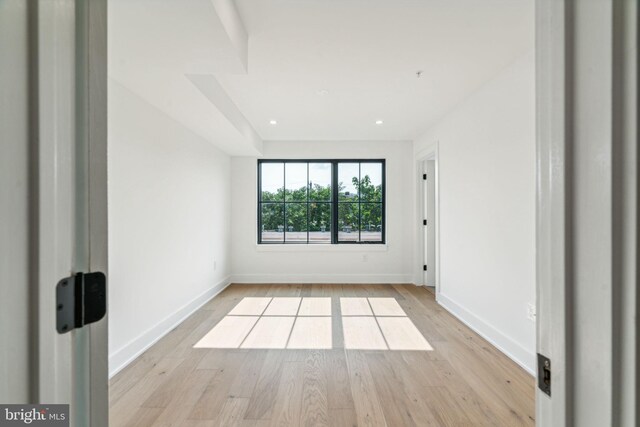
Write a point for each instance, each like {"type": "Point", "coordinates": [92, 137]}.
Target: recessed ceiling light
{"type": "Point", "coordinates": [379, 122]}
{"type": "Point", "coordinates": [322, 92]}
{"type": "Point", "coordinates": [273, 122]}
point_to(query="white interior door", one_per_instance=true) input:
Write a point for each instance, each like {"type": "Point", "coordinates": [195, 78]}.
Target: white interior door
{"type": "Point", "coordinates": [425, 227]}
{"type": "Point", "coordinates": [430, 228]}
{"type": "Point", "coordinates": [53, 141]}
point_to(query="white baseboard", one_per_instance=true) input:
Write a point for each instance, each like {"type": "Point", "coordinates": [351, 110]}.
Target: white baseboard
{"type": "Point", "coordinates": [506, 345]}
{"type": "Point", "coordinates": [120, 358]}
{"type": "Point", "coordinates": [322, 278]}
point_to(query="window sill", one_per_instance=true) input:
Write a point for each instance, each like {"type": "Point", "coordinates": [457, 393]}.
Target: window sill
{"type": "Point", "coordinates": [292, 247]}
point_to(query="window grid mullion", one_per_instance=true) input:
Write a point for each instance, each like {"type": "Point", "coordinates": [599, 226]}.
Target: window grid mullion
{"type": "Point", "coordinates": [334, 201]}
{"type": "Point", "coordinates": [259, 203]}
{"type": "Point", "coordinates": [308, 191]}
{"type": "Point", "coordinates": [334, 207]}
{"type": "Point", "coordinates": [359, 202]}
{"type": "Point", "coordinates": [284, 202]}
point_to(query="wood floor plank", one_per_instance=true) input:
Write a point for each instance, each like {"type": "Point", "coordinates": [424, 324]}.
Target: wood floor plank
{"type": "Point", "coordinates": [470, 402]}
{"type": "Point", "coordinates": [400, 405]}
{"type": "Point", "coordinates": [283, 306]}
{"type": "Point", "coordinates": [499, 395]}
{"type": "Point", "coordinates": [173, 382]}
{"type": "Point", "coordinates": [186, 347]}
{"type": "Point", "coordinates": [245, 382]}
{"type": "Point", "coordinates": [284, 290]}
{"type": "Point", "coordinates": [315, 409]}
{"type": "Point", "coordinates": [343, 417]}
{"type": "Point", "coordinates": [428, 328]}
{"type": "Point", "coordinates": [214, 358]}
{"type": "Point", "coordinates": [296, 355]}
{"type": "Point", "coordinates": [430, 397]}
{"type": "Point", "coordinates": [166, 344]}
{"type": "Point", "coordinates": [386, 307]}
{"type": "Point", "coordinates": [355, 307]}
{"type": "Point", "coordinates": [401, 334]}
{"type": "Point", "coordinates": [264, 394]}
{"type": "Point", "coordinates": [338, 385]}
{"type": "Point", "coordinates": [254, 423]}
{"type": "Point", "coordinates": [416, 364]}
{"type": "Point", "coordinates": [315, 306]}
{"type": "Point", "coordinates": [318, 289]}
{"type": "Point", "coordinates": [463, 381]}
{"type": "Point", "coordinates": [457, 332]}
{"type": "Point", "coordinates": [232, 413]}
{"type": "Point", "coordinates": [288, 403]}
{"type": "Point", "coordinates": [336, 314]}
{"type": "Point", "coordinates": [184, 398]}
{"type": "Point", "coordinates": [269, 332]}
{"type": "Point", "coordinates": [362, 333]}
{"type": "Point", "coordinates": [129, 377]}
{"type": "Point", "coordinates": [216, 393]}
{"type": "Point", "coordinates": [446, 410]}
{"type": "Point", "coordinates": [230, 332]}
{"type": "Point", "coordinates": [365, 397]}
{"type": "Point", "coordinates": [311, 333]}
{"type": "Point", "coordinates": [144, 417]}
{"type": "Point", "coordinates": [123, 411]}
{"type": "Point", "coordinates": [251, 306]}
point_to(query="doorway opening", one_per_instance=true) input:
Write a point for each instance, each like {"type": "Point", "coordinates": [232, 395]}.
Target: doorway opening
{"type": "Point", "coordinates": [428, 189]}
{"type": "Point", "coordinates": [428, 219]}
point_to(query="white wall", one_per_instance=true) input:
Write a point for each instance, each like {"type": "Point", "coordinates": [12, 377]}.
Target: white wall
{"type": "Point", "coordinates": [486, 166]}
{"type": "Point", "coordinates": [391, 263]}
{"type": "Point", "coordinates": [169, 222]}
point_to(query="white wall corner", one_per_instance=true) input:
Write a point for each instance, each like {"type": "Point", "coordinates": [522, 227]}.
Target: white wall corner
{"type": "Point", "coordinates": [512, 349]}
{"type": "Point", "coordinates": [120, 358]}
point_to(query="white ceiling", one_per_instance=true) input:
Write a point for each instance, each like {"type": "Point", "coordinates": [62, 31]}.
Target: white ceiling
{"type": "Point", "coordinates": [365, 53]}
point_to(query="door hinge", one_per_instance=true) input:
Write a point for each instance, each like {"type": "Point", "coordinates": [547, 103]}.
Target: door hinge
{"type": "Point", "coordinates": [424, 176]}
{"type": "Point", "coordinates": [80, 299]}
{"type": "Point", "coordinates": [424, 222]}
{"type": "Point", "coordinates": [544, 374]}
{"type": "Point", "coordinates": [424, 267]}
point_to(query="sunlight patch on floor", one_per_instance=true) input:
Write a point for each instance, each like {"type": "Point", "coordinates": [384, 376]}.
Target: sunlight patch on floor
{"type": "Point", "coordinates": [311, 333]}
{"type": "Point", "coordinates": [269, 332]}
{"type": "Point", "coordinates": [315, 306]}
{"type": "Point", "coordinates": [228, 333]}
{"type": "Point", "coordinates": [355, 307]}
{"type": "Point", "coordinates": [283, 307]}
{"type": "Point", "coordinates": [362, 333]}
{"type": "Point", "coordinates": [307, 323]}
{"type": "Point", "coordinates": [386, 307]}
{"type": "Point", "coordinates": [250, 306]}
{"type": "Point", "coordinates": [402, 334]}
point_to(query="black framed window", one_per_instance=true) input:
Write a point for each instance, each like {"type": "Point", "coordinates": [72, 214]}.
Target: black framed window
{"type": "Point", "coordinates": [321, 201]}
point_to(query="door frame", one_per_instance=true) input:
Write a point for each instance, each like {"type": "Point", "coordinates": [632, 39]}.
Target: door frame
{"type": "Point", "coordinates": [587, 210]}
{"type": "Point", "coordinates": [92, 51]}
{"type": "Point", "coordinates": [428, 153]}
{"type": "Point", "coordinates": [68, 117]}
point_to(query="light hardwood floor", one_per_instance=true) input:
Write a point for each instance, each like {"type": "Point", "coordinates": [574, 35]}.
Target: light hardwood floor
{"type": "Point", "coordinates": [464, 381]}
